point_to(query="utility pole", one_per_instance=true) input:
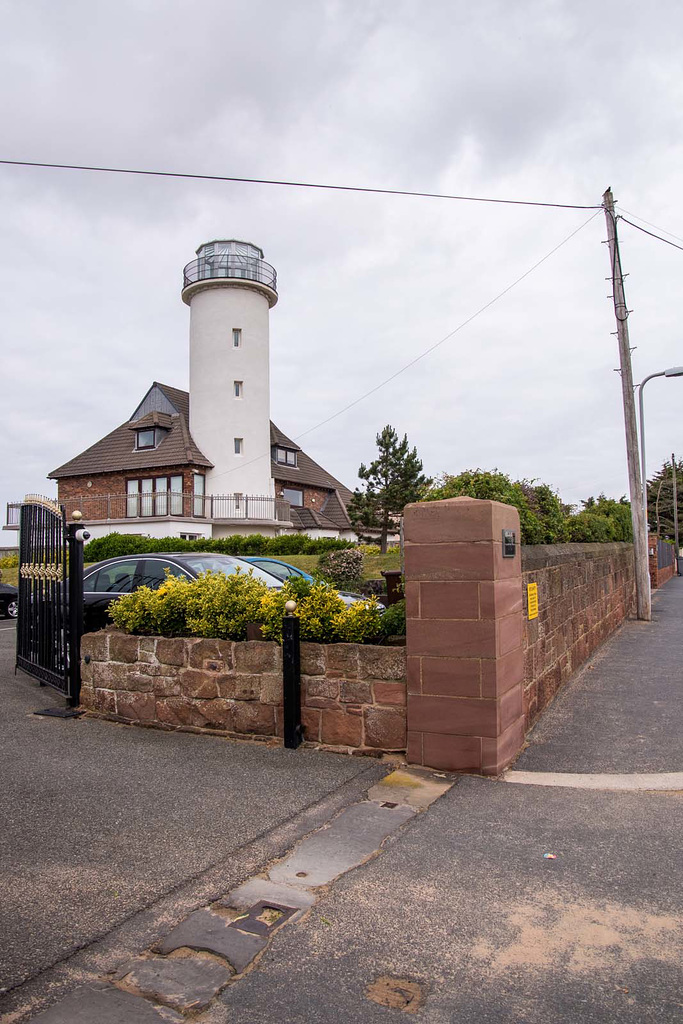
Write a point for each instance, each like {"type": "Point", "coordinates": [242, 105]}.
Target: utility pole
{"type": "Point", "coordinates": [673, 466]}
{"type": "Point", "coordinates": [643, 603]}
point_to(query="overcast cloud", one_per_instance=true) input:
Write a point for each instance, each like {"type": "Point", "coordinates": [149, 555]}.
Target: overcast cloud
{"type": "Point", "coordinates": [550, 100]}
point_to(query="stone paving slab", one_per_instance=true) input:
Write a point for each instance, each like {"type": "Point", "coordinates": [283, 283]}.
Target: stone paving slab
{"type": "Point", "coordinates": [256, 889]}
{"type": "Point", "coordinates": [103, 1004]}
{"type": "Point", "coordinates": [206, 931]}
{"type": "Point", "coordinates": [188, 983]}
{"type": "Point", "coordinates": [350, 839]}
{"type": "Point", "coordinates": [418, 789]}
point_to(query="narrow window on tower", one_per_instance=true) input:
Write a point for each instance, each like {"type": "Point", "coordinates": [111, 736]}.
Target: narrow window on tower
{"type": "Point", "coordinates": [236, 337]}
{"type": "Point", "coordinates": [238, 388]}
{"type": "Point", "coordinates": [239, 445]}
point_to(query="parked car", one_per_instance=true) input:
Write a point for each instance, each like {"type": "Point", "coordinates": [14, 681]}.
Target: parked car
{"type": "Point", "coordinates": [284, 571]}
{"type": "Point", "coordinates": [8, 601]}
{"type": "Point", "coordinates": [106, 580]}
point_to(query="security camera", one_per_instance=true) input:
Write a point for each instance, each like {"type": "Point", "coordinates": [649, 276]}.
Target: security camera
{"type": "Point", "coordinates": [82, 535]}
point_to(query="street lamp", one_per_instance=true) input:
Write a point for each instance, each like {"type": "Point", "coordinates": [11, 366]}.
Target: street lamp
{"type": "Point", "coordinates": [673, 371]}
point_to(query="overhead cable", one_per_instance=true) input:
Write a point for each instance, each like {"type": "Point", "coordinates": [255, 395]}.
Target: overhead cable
{"type": "Point", "coordinates": [292, 184]}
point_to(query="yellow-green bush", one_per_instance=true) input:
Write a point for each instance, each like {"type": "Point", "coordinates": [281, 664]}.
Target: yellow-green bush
{"type": "Point", "coordinates": [9, 562]}
{"type": "Point", "coordinates": [215, 605]}
{"type": "Point", "coordinates": [323, 616]}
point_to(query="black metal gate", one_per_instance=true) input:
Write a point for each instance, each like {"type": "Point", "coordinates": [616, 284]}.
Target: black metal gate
{"type": "Point", "coordinates": [50, 619]}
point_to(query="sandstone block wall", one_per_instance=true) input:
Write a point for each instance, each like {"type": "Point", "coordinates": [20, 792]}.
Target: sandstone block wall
{"type": "Point", "coordinates": [352, 696]}
{"type": "Point", "coordinates": [585, 591]}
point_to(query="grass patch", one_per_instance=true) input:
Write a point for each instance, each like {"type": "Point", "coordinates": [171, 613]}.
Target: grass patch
{"type": "Point", "coordinates": [372, 564]}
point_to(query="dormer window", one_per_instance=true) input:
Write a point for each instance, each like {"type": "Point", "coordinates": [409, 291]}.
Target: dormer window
{"type": "Point", "coordinates": [147, 438]}
{"type": "Point", "coordinates": [285, 456]}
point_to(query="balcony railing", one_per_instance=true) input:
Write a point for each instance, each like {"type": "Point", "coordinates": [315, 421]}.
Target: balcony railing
{"type": "Point", "coordinates": [171, 505]}
{"type": "Point", "coordinates": [246, 268]}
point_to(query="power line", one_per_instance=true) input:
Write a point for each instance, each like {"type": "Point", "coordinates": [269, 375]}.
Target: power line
{"type": "Point", "coordinates": [426, 352]}
{"type": "Point", "coordinates": [651, 225]}
{"type": "Point", "coordinates": [293, 184]}
{"type": "Point", "coordinates": [650, 233]}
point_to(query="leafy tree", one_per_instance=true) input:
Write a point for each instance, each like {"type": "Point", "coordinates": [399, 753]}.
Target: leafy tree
{"type": "Point", "coordinates": [542, 516]}
{"type": "Point", "coordinates": [602, 519]}
{"type": "Point", "coordinates": [392, 481]}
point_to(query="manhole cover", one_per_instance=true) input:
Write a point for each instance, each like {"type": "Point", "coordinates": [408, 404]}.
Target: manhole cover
{"type": "Point", "coordinates": [397, 993]}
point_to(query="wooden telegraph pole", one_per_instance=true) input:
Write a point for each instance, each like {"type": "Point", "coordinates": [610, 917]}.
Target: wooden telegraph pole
{"type": "Point", "coordinates": [675, 490]}
{"type": "Point", "coordinates": [643, 603]}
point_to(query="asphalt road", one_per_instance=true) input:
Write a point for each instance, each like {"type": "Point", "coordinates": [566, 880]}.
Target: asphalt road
{"type": "Point", "coordinates": [100, 821]}
{"type": "Point", "coordinates": [622, 712]}
{"type": "Point", "coordinates": [463, 902]}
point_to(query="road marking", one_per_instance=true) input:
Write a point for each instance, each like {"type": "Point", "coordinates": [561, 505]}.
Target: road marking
{"type": "Point", "coordinates": [637, 781]}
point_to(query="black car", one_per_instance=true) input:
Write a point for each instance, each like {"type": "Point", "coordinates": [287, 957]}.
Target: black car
{"type": "Point", "coordinates": [107, 580]}
{"type": "Point", "coordinates": [8, 601]}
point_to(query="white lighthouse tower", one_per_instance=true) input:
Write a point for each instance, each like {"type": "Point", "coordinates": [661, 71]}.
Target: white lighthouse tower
{"type": "Point", "coordinates": [230, 291]}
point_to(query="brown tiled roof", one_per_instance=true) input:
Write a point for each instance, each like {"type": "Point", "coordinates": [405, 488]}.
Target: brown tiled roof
{"type": "Point", "coordinates": [115, 453]}
{"type": "Point", "coordinates": [306, 470]}
{"type": "Point", "coordinates": [309, 519]}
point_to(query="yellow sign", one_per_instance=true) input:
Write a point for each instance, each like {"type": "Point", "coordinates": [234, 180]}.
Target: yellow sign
{"type": "Point", "coordinates": [532, 599]}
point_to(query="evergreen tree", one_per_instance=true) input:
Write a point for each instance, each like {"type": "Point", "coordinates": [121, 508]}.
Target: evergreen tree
{"type": "Point", "coordinates": [660, 500]}
{"type": "Point", "coordinates": [392, 481]}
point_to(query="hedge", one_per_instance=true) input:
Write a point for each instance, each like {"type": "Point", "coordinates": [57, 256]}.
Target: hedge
{"type": "Point", "coordinates": [115, 544]}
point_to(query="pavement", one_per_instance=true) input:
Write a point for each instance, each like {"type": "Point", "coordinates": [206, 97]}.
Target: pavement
{"type": "Point", "coordinates": [623, 711]}
{"type": "Point", "coordinates": [109, 831]}
{"type": "Point", "coordinates": [440, 897]}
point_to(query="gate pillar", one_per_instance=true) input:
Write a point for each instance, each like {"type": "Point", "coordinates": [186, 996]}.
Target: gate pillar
{"type": "Point", "coordinates": [464, 634]}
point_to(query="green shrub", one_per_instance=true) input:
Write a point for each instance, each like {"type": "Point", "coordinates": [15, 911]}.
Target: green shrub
{"type": "Point", "coordinates": [117, 544]}
{"type": "Point", "coordinates": [342, 568]}
{"type": "Point", "coordinates": [394, 620]}
{"type": "Point", "coordinates": [323, 616]}
{"type": "Point", "coordinates": [9, 562]}
{"type": "Point", "coordinates": [216, 605]}
{"type": "Point", "coordinates": [591, 528]}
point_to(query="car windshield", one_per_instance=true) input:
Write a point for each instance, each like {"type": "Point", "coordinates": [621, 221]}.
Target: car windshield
{"type": "Point", "coordinates": [227, 564]}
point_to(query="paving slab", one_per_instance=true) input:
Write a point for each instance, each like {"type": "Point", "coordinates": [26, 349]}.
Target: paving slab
{"type": "Point", "coordinates": [349, 840]}
{"type": "Point", "coordinates": [256, 889]}
{"type": "Point", "coordinates": [214, 934]}
{"type": "Point", "coordinates": [418, 789]}
{"type": "Point", "coordinates": [187, 983]}
{"type": "Point", "coordinates": [104, 1004]}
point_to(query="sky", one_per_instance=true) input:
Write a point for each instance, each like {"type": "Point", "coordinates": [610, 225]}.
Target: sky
{"type": "Point", "coordinates": [541, 100]}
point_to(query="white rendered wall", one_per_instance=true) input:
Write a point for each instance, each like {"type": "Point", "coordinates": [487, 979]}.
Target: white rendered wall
{"type": "Point", "coordinates": [216, 416]}
{"type": "Point", "coordinates": [160, 528]}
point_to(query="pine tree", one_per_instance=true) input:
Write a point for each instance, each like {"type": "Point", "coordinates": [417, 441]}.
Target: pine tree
{"type": "Point", "coordinates": [392, 481]}
{"type": "Point", "coordinates": [660, 502]}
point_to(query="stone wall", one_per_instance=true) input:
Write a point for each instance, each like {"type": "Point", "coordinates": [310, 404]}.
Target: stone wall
{"type": "Point", "coordinates": [585, 591]}
{"type": "Point", "coordinates": [658, 576]}
{"type": "Point", "coordinates": [353, 696]}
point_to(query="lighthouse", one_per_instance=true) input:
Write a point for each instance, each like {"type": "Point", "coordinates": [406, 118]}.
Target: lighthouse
{"type": "Point", "coordinates": [230, 290]}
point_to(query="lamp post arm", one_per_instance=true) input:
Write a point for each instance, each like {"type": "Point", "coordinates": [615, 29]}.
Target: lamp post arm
{"type": "Point", "coordinates": [642, 384]}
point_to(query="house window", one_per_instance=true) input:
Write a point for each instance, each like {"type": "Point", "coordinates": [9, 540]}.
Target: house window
{"type": "Point", "coordinates": [154, 496]}
{"type": "Point", "coordinates": [189, 536]}
{"type": "Point", "coordinates": [145, 439]}
{"type": "Point", "coordinates": [239, 445]}
{"type": "Point", "coordinates": [293, 495]}
{"type": "Point", "coordinates": [285, 456]}
{"type": "Point", "coordinates": [236, 337]}
{"type": "Point", "coordinates": [238, 387]}
{"type": "Point", "coordinates": [198, 501]}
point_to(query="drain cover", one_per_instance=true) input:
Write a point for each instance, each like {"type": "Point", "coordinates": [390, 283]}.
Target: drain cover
{"type": "Point", "coordinates": [396, 993]}
{"type": "Point", "coordinates": [59, 713]}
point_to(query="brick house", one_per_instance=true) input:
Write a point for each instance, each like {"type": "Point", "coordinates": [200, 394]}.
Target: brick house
{"type": "Point", "coordinates": [148, 476]}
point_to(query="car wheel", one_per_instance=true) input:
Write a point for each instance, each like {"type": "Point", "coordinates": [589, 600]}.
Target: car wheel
{"type": "Point", "coordinates": [12, 609]}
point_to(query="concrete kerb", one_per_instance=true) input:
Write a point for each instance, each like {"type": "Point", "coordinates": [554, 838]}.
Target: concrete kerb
{"type": "Point", "coordinates": [657, 782]}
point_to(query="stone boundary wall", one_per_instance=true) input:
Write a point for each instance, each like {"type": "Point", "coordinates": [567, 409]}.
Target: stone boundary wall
{"type": "Point", "coordinates": [353, 696]}
{"type": "Point", "coordinates": [585, 591]}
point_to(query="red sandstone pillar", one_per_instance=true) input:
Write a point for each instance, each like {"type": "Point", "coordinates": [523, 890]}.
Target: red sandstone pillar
{"type": "Point", "coordinates": [464, 635]}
